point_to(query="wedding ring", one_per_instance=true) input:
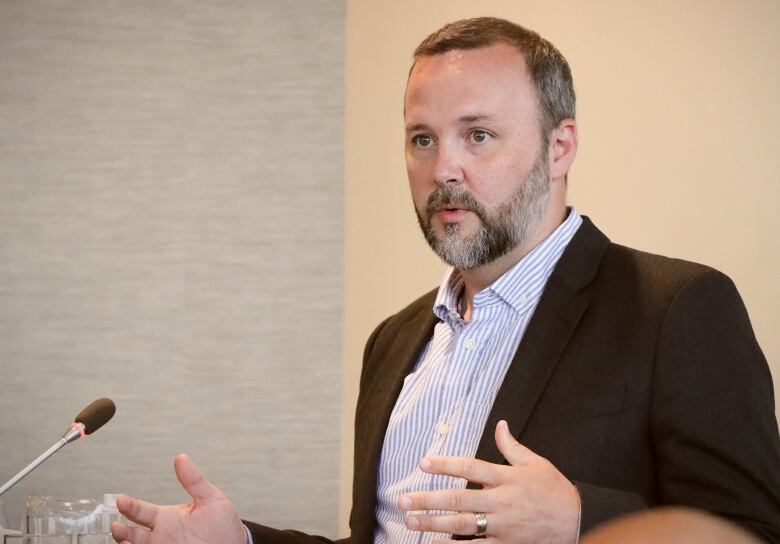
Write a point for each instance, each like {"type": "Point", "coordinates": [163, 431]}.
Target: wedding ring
{"type": "Point", "coordinates": [481, 524]}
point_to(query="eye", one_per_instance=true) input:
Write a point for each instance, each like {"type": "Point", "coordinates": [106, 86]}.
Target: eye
{"type": "Point", "coordinates": [479, 136]}
{"type": "Point", "coordinates": [422, 140]}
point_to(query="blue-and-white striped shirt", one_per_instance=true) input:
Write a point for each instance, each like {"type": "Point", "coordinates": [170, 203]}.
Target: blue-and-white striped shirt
{"type": "Point", "coordinates": [445, 402]}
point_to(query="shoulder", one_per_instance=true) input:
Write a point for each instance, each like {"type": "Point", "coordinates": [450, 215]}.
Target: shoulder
{"type": "Point", "coordinates": [629, 286]}
{"type": "Point", "coordinates": [602, 268]}
{"type": "Point", "coordinates": [656, 277]}
{"type": "Point", "coordinates": [658, 268]}
{"type": "Point", "coordinates": [690, 307]}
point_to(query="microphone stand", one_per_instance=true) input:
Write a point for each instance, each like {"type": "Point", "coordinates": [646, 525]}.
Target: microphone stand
{"type": "Point", "coordinates": [74, 432]}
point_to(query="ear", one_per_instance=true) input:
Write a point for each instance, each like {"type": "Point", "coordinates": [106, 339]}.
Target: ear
{"type": "Point", "coordinates": [562, 148]}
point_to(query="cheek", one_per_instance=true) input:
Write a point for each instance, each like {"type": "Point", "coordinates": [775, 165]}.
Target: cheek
{"type": "Point", "coordinates": [419, 198]}
{"type": "Point", "coordinates": [494, 181]}
{"type": "Point", "coordinates": [420, 185]}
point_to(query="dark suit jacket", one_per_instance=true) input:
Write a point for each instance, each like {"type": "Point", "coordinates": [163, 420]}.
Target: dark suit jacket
{"type": "Point", "coordinates": [638, 377]}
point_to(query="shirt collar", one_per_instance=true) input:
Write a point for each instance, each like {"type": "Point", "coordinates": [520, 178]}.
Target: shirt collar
{"type": "Point", "coordinates": [520, 286]}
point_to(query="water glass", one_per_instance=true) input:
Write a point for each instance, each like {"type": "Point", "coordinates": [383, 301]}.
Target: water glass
{"type": "Point", "coordinates": [55, 516]}
{"type": "Point", "coordinates": [102, 538]}
{"type": "Point", "coordinates": [38, 539]}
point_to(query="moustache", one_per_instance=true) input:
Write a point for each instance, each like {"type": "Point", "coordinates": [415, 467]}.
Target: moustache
{"type": "Point", "coordinates": [448, 196]}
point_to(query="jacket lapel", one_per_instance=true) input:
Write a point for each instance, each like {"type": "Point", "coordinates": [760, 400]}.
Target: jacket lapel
{"type": "Point", "coordinates": [374, 413]}
{"type": "Point", "coordinates": [555, 319]}
{"type": "Point", "coordinates": [405, 349]}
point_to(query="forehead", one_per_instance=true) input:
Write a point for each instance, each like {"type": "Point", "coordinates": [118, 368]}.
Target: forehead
{"type": "Point", "coordinates": [493, 79]}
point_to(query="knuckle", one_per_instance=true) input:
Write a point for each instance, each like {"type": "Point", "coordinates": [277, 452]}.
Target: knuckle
{"type": "Point", "coordinates": [137, 534]}
{"type": "Point", "coordinates": [469, 466]}
{"type": "Point", "coordinates": [118, 531]}
{"type": "Point", "coordinates": [424, 522]}
{"type": "Point", "coordinates": [463, 524]}
{"type": "Point", "coordinates": [132, 507]}
{"type": "Point", "coordinates": [455, 501]}
{"type": "Point", "coordinates": [506, 501]}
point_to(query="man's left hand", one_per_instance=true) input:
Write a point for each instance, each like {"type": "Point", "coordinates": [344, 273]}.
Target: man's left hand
{"type": "Point", "coordinates": [528, 501]}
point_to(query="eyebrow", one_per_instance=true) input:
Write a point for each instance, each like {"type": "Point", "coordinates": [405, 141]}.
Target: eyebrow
{"type": "Point", "coordinates": [415, 127]}
{"type": "Point", "coordinates": [465, 120]}
{"type": "Point", "coordinates": [473, 118]}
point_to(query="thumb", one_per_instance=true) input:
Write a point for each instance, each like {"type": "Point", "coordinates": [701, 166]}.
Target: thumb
{"type": "Point", "coordinates": [511, 449]}
{"type": "Point", "coordinates": [192, 479]}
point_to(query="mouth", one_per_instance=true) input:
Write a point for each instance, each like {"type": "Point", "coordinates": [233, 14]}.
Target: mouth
{"type": "Point", "coordinates": [447, 207]}
{"type": "Point", "coordinates": [450, 205]}
{"type": "Point", "coordinates": [448, 213]}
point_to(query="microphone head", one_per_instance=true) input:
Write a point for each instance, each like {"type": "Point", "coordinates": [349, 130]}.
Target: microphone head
{"type": "Point", "coordinates": [96, 414]}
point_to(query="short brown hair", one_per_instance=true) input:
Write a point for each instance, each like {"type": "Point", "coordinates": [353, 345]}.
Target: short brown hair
{"type": "Point", "coordinates": [548, 68]}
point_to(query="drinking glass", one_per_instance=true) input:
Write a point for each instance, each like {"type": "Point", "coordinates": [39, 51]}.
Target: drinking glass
{"type": "Point", "coordinates": [56, 516]}
{"type": "Point", "coordinates": [38, 539]}
{"type": "Point", "coordinates": [102, 538]}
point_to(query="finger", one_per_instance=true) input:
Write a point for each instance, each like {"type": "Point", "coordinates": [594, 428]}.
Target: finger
{"type": "Point", "coordinates": [471, 469]}
{"type": "Point", "coordinates": [451, 500]}
{"type": "Point", "coordinates": [141, 512]}
{"type": "Point", "coordinates": [119, 531]}
{"type": "Point", "coordinates": [487, 540]}
{"type": "Point", "coordinates": [134, 535]}
{"type": "Point", "coordinates": [192, 479]}
{"type": "Point", "coordinates": [456, 524]}
{"type": "Point", "coordinates": [511, 449]}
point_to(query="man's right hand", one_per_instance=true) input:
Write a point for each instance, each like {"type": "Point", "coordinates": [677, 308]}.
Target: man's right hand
{"type": "Point", "coordinates": [209, 518]}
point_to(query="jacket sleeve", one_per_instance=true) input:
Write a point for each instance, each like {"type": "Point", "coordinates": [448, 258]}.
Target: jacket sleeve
{"type": "Point", "coordinates": [713, 424]}
{"type": "Point", "coordinates": [600, 504]}
{"type": "Point", "coordinates": [267, 535]}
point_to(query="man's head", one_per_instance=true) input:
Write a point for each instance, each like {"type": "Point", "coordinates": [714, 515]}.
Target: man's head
{"type": "Point", "coordinates": [490, 136]}
{"type": "Point", "coordinates": [546, 65]}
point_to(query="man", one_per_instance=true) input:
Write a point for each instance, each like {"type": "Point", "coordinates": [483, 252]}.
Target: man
{"type": "Point", "coordinates": [630, 380]}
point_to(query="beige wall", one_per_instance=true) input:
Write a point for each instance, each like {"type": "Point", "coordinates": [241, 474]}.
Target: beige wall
{"type": "Point", "coordinates": [678, 118]}
{"type": "Point", "coordinates": [170, 221]}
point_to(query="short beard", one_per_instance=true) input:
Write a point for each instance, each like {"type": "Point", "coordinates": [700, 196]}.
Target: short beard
{"type": "Point", "coordinates": [510, 226]}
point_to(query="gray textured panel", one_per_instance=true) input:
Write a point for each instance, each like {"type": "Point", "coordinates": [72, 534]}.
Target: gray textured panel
{"type": "Point", "coordinates": [170, 236]}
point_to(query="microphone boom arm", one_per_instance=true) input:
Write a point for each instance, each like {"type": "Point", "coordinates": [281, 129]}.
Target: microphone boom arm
{"type": "Point", "coordinates": [73, 433]}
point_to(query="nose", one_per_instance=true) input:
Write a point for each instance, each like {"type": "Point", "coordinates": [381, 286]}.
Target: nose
{"type": "Point", "coordinates": [448, 167]}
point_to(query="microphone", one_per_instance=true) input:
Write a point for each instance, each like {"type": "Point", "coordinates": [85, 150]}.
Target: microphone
{"type": "Point", "coordinates": [89, 420]}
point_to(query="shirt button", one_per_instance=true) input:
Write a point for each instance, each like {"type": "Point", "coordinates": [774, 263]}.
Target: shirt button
{"type": "Point", "coordinates": [470, 344]}
{"type": "Point", "coordinates": [523, 299]}
{"type": "Point", "coordinates": [442, 428]}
